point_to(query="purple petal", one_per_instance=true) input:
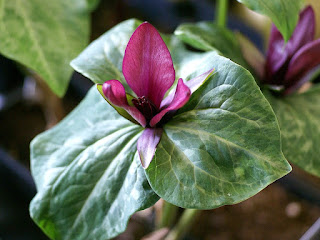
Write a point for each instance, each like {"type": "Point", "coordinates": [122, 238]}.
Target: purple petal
{"type": "Point", "coordinates": [196, 82]}
{"type": "Point", "coordinates": [147, 64]}
{"type": "Point", "coordinates": [304, 61]}
{"type": "Point", "coordinates": [304, 31]}
{"type": "Point", "coordinates": [279, 53]}
{"type": "Point", "coordinates": [115, 93]}
{"type": "Point", "coordinates": [277, 56]}
{"type": "Point", "coordinates": [181, 97]}
{"type": "Point", "coordinates": [193, 84]}
{"type": "Point", "coordinates": [147, 144]}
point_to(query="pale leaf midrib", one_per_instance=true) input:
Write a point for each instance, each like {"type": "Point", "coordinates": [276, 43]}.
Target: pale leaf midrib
{"type": "Point", "coordinates": [93, 188]}
{"type": "Point", "coordinates": [36, 43]}
{"type": "Point", "coordinates": [227, 142]}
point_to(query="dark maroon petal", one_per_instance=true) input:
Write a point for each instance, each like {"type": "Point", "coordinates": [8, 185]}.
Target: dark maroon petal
{"type": "Point", "coordinates": [147, 144]}
{"type": "Point", "coordinates": [115, 93]}
{"type": "Point", "coordinates": [304, 31]}
{"type": "Point", "coordinates": [304, 61]}
{"type": "Point", "coordinates": [147, 64]}
{"type": "Point", "coordinates": [299, 85]}
{"type": "Point", "coordinates": [279, 53]}
{"type": "Point", "coordinates": [193, 84]}
{"type": "Point", "coordinates": [181, 97]}
{"type": "Point", "coordinates": [276, 55]}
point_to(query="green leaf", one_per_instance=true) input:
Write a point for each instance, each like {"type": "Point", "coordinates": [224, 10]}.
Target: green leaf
{"type": "Point", "coordinates": [92, 4]}
{"type": "Point", "coordinates": [82, 166]}
{"type": "Point", "coordinates": [283, 13]}
{"type": "Point", "coordinates": [207, 36]}
{"type": "Point", "coordinates": [223, 146]}
{"type": "Point", "coordinates": [88, 174]}
{"type": "Point", "coordinates": [299, 119]}
{"type": "Point", "coordinates": [250, 131]}
{"type": "Point", "coordinates": [102, 59]}
{"type": "Point", "coordinates": [45, 36]}
{"type": "Point", "coordinates": [120, 110]}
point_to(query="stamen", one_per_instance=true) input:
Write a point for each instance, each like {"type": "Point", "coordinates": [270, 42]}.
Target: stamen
{"type": "Point", "coordinates": [145, 106]}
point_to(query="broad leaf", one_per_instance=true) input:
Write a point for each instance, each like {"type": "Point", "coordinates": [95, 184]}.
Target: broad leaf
{"type": "Point", "coordinates": [283, 13]}
{"type": "Point", "coordinates": [45, 36]}
{"type": "Point", "coordinates": [254, 129]}
{"type": "Point", "coordinates": [223, 146]}
{"type": "Point", "coordinates": [88, 174]}
{"type": "Point", "coordinates": [92, 4]}
{"type": "Point", "coordinates": [299, 119]}
{"type": "Point", "coordinates": [208, 36]}
{"type": "Point", "coordinates": [102, 59]}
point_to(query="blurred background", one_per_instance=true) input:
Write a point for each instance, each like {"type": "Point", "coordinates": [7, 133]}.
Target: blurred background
{"type": "Point", "coordinates": [284, 210]}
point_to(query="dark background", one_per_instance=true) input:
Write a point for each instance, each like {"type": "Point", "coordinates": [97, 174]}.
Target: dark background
{"type": "Point", "coordinates": [284, 210]}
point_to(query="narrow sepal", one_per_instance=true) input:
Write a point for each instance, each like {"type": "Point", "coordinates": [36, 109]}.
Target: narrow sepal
{"type": "Point", "coordinates": [114, 92]}
{"type": "Point", "coordinates": [196, 82]}
{"type": "Point", "coordinates": [193, 84]}
{"type": "Point", "coordinates": [120, 110]}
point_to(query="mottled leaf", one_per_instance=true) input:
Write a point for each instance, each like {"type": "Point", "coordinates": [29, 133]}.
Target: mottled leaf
{"type": "Point", "coordinates": [92, 4]}
{"type": "Point", "coordinates": [299, 119]}
{"type": "Point", "coordinates": [45, 36]}
{"type": "Point", "coordinates": [102, 59]}
{"type": "Point", "coordinates": [223, 146]}
{"type": "Point", "coordinates": [88, 174]}
{"type": "Point", "coordinates": [207, 36]}
{"type": "Point", "coordinates": [283, 13]}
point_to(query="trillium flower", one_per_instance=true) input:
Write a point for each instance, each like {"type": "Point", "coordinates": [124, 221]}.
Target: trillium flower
{"type": "Point", "coordinates": [148, 70]}
{"type": "Point", "coordinates": [289, 65]}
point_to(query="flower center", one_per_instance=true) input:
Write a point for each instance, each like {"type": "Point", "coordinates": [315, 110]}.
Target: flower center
{"type": "Point", "coordinates": [145, 106]}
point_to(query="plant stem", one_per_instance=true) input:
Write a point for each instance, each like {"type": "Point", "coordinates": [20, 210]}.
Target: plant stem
{"type": "Point", "coordinates": [51, 104]}
{"type": "Point", "coordinates": [188, 217]}
{"type": "Point", "coordinates": [169, 214]}
{"type": "Point", "coordinates": [221, 12]}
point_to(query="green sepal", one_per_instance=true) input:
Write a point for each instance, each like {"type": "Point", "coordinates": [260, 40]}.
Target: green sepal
{"type": "Point", "coordinates": [120, 110]}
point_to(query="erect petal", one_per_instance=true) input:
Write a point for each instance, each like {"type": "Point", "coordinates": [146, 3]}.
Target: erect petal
{"type": "Point", "coordinates": [304, 31]}
{"type": "Point", "coordinates": [180, 98]}
{"type": "Point", "coordinates": [304, 61]}
{"type": "Point", "coordinates": [147, 64]}
{"type": "Point", "coordinates": [147, 144]}
{"type": "Point", "coordinates": [114, 92]}
{"type": "Point", "coordinates": [276, 57]}
{"type": "Point", "coordinates": [196, 82]}
{"type": "Point", "coordinates": [193, 84]}
{"type": "Point", "coordinates": [279, 53]}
